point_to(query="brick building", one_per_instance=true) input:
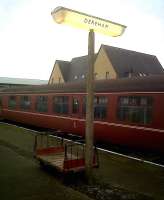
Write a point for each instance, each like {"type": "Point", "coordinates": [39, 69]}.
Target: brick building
{"type": "Point", "coordinates": [110, 63]}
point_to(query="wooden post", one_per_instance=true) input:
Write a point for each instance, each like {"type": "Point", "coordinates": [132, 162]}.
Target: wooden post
{"type": "Point", "coordinates": [89, 107]}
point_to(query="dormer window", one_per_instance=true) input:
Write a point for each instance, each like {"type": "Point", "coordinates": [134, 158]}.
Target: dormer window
{"type": "Point", "coordinates": [82, 76]}
{"type": "Point", "coordinates": [143, 74]}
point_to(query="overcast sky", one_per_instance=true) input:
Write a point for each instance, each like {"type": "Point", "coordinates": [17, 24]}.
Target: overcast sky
{"type": "Point", "coordinates": [30, 41]}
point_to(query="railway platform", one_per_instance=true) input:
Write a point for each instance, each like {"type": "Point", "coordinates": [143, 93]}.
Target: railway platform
{"type": "Point", "coordinates": [122, 172]}
{"type": "Point", "coordinates": [21, 179]}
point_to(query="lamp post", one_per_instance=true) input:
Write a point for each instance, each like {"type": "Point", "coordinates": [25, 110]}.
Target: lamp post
{"type": "Point", "coordinates": [89, 125]}
{"type": "Point", "coordinates": [77, 19]}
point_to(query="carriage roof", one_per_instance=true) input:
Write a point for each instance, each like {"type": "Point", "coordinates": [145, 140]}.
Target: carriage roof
{"type": "Point", "coordinates": [138, 84]}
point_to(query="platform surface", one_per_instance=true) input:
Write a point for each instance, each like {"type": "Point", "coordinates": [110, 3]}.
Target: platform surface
{"type": "Point", "coordinates": [113, 170]}
{"type": "Point", "coordinates": [22, 179]}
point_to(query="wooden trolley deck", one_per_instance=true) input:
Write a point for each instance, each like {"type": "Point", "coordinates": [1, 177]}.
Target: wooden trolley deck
{"type": "Point", "coordinates": [64, 156]}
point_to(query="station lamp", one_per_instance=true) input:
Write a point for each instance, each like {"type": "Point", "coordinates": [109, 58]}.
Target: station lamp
{"type": "Point", "coordinates": [62, 15]}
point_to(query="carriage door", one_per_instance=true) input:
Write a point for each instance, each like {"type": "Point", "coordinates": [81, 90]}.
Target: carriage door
{"type": "Point", "coordinates": [75, 111]}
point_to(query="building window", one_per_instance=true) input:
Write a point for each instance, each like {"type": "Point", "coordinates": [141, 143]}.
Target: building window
{"type": "Point", "coordinates": [42, 104]}
{"type": "Point", "coordinates": [25, 102]}
{"type": "Point", "coordinates": [60, 104]}
{"type": "Point", "coordinates": [59, 79]}
{"type": "Point", "coordinates": [75, 105]}
{"type": "Point", "coordinates": [107, 75]}
{"type": "Point", "coordinates": [135, 109]}
{"type": "Point", "coordinates": [12, 102]}
{"type": "Point", "coordinates": [52, 80]}
{"type": "Point", "coordinates": [100, 107]}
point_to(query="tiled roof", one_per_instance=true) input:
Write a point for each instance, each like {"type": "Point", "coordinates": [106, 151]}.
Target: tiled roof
{"type": "Point", "coordinates": [64, 67]}
{"type": "Point", "coordinates": [78, 68]}
{"type": "Point", "coordinates": [125, 61]}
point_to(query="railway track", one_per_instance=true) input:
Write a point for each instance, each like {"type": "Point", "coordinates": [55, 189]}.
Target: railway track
{"type": "Point", "coordinates": [152, 158]}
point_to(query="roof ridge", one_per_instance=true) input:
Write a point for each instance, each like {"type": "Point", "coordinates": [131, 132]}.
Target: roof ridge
{"type": "Point", "coordinates": [82, 56]}
{"type": "Point", "coordinates": [127, 50]}
{"type": "Point", "coordinates": [62, 61]}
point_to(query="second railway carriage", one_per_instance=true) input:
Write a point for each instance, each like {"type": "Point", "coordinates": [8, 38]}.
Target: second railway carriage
{"type": "Point", "coordinates": [126, 111]}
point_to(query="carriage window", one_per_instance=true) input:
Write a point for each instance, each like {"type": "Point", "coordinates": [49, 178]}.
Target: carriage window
{"type": "Point", "coordinates": [100, 107]}
{"type": "Point", "coordinates": [25, 102]}
{"type": "Point", "coordinates": [60, 104]}
{"type": "Point", "coordinates": [42, 104]}
{"type": "Point", "coordinates": [12, 102]}
{"type": "Point", "coordinates": [75, 105]}
{"type": "Point", "coordinates": [135, 109]}
{"type": "Point", "coordinates": [0, 103]}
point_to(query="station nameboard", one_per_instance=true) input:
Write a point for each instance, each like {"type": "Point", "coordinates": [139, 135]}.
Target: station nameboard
{"type": "Point", "coordinates": [85, 21]}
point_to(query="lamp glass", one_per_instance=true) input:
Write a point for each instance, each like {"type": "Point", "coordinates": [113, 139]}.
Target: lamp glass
{"type": "Point", "coordinates": [77, 19]}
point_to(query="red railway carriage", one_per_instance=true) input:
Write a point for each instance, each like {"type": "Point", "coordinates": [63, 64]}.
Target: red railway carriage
{"type": "Point", "coordinates": [126, 111]}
